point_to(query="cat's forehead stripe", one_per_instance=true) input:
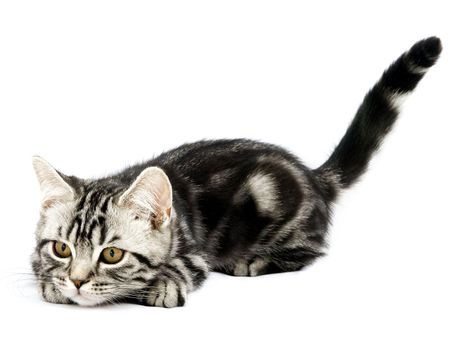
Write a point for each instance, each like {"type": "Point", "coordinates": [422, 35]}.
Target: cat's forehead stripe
{"type": "Point", "coordinates": [90, 216]}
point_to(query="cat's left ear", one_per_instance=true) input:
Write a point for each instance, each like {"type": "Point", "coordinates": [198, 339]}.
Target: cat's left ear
{"type": "Point", "coordinates": [54, 188]}
{"type": "Point", "coordinates": [150, 196]}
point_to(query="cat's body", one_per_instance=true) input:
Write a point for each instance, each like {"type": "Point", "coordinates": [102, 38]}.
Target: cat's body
{"type": "Point", "coordinates": [151, 233]}
{"type": "Point", "coordinates": [237, 200]}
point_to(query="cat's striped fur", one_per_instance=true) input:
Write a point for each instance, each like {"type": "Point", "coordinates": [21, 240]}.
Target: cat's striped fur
{"type": "Point", "coordinates": [236, 206]}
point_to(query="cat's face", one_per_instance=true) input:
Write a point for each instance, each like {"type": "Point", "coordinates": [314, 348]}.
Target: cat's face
{"type": "Point", "coordinates": [96, 246]}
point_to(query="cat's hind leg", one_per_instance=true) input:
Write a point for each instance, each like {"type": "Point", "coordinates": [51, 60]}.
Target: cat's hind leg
{"type": "Point", "coordinates": [253, 267]}
{"type": "Point", "coordinates": [282, 259]}
{"type": "Point", "coordinates": [243, 267]}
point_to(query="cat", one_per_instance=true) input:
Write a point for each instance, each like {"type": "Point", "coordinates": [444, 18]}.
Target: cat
{"type": "Point", "coordinates": [151, 233]}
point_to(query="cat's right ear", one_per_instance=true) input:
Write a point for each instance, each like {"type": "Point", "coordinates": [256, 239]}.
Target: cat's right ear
{"type": "Point", "coordinates": [150, 196]}
{"type": "Point", "coordinates": [54, 189]}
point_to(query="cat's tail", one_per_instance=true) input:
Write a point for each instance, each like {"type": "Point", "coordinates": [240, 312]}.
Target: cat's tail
{"type": "Point", "coordinates": [376, 116]}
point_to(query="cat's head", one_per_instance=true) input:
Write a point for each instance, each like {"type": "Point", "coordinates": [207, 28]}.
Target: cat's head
{"type": "Point", "coordinates": [99, 241]}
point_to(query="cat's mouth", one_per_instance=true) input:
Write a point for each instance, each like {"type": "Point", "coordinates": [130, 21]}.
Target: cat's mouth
{"type": "Point", "coordinates": [83, 297]}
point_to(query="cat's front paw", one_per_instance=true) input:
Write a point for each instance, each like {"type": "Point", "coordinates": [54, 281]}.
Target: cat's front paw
{"type": "Point", "coordinates": [167, 293]}
{"type": "Point", "coordinates": [51, 294]}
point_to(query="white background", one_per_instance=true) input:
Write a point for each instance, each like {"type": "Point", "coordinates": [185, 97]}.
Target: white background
{"type": "Point", "coordinates": [93, 86]}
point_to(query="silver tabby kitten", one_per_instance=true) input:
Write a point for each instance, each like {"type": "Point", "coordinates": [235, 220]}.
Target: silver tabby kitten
{"type": "Point", "coordinates": [151, 233]}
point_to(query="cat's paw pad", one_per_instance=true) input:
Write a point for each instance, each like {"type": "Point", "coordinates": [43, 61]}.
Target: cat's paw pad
{"type": "Point", "coordinates": [167, 293]}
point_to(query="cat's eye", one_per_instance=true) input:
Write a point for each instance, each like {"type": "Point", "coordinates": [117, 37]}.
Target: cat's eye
{"type": "Point", "coordinates": [111, 255]}
{"type": "Point", "coordinates": [61, 249]}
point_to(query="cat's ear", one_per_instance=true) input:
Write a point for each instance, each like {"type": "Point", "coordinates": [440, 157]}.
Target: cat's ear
{"type": "Point", "coordinates": [150, 196]}
{"type": "Point", "coordinates": [54, 189]}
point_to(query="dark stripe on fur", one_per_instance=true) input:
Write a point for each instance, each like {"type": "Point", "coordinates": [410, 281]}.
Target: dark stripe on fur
{"type": "Point", "coordinates": [143, 259]}
{"type": "Point", "coordinates": [103, 231]}
{"type": "Point", "coordinates": [198, 274]}
{"type": "Point", "coordinates": [175, 271]}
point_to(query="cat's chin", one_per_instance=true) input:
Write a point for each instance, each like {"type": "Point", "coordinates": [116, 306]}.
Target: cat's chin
{"type": "Point", "coordinates": [86, 301]}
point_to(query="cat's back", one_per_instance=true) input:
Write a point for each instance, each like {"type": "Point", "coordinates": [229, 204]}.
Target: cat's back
{"type": "Point", "coordinates": [222, 166]}
{"type": "Point", "coordinates": [211, 155]}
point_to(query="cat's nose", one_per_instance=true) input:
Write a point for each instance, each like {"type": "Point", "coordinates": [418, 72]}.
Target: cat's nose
{"type": "Point", "coordinates": [79, 283]}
